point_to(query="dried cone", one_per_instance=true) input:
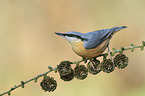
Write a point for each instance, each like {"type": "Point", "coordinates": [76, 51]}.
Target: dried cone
{"type": "Point", "coordinates": [64, 68]}
{"type": "Point", "coordinates": [48, 84]}
{"type": "Point", "coordinates": [107, 66]}
{"type": "Point", "coordinates": [65, 71]}
{"type": "Point", "coordinates": [68, 77]}
{"type": "Point", "coordinates": [94, 67]}
{"type": "Point", "coordinates": [81, 72]}
{"type": "Point", "coordinates": [121, 61]}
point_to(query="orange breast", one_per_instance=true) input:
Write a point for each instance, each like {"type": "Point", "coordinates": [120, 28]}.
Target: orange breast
{"type": "Point", "coordinates": [89, 53]}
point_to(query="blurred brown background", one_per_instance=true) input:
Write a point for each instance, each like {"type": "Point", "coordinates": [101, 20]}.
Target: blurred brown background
{"type": "Point", "coordinates": [28, 44]}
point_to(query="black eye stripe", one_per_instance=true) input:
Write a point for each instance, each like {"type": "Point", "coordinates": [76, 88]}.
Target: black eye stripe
{"type": "Point", "coordinates": [73, 35]}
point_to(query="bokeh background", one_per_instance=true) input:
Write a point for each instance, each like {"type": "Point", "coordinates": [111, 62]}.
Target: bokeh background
{"type": "Point", "coordinates": [28, 44]}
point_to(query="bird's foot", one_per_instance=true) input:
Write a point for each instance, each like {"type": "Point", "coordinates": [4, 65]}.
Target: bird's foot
{"type": "Point", "coordinates": [110, 56]}
{"type": "Point", "coordinates": [85, 60]}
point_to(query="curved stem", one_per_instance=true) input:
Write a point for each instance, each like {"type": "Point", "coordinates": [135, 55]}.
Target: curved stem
{"type": "Point", "coordinates": [33, 79]}
{"type": "Point", "coordinates": [132, 47]}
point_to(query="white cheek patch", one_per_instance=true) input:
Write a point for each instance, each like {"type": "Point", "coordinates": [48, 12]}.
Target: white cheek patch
{"type": "Point", "coordinates": [78, 40]}
{"type": "Point", "coordinates": [72, 39]}
{"type": "Point", "coordinates": [75, 39]}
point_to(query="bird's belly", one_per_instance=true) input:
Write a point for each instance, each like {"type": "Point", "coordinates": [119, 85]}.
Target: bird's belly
{"type": "Point", "coordinates": [79, 49]}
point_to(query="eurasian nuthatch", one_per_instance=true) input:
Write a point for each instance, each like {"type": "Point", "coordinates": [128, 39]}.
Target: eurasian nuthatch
{"type": "Point", "coordinates": [91, 44]}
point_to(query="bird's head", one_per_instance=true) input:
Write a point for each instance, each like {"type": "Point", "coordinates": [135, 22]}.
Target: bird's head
{"type": "Point", "coordinates": [72, 36]}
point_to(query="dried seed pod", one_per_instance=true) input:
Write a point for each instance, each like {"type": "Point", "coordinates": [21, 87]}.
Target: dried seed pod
{"type": "Point", "coordinates": [81, 72]}
{"type": "Point", "coordinates": [94, 67]}
{"type": "Point", "coordinates": [64, 68]}
{"type": "Point", "coordinates": [121, 61]}
{"type": "Point", "coordinates": [107, 66]}
{"type": "Point", "coordinates": [68, 77]}
{"type": "Point", "coordinates": [48, 84]}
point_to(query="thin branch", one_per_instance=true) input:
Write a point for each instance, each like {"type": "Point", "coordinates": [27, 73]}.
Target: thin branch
{"type": "Point", "coordinates": [132, 47]}
{"type": "Point", "coordinates": [22, 84]}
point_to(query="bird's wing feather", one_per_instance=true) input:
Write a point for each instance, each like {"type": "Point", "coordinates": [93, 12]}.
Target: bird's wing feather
{"type": "Point", "coordinates": [97, 37]}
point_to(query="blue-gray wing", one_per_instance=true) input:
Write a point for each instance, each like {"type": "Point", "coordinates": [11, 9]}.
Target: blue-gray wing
{"type": "Point", "coordinates": [97, 37]}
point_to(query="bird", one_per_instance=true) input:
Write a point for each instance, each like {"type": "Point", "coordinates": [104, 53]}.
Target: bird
{"type": "Point", "coordinates": [90, 44]}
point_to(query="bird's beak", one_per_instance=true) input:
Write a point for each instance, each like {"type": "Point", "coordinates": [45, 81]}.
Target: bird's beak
{"type": "Point", "coordinates": [60, 34]}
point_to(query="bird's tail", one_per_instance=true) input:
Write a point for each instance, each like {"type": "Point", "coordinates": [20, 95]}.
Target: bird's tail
{"type": "Point", "coordinates": [120, 28]}
{"type": "Point", "coordinates": [115, 29]}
